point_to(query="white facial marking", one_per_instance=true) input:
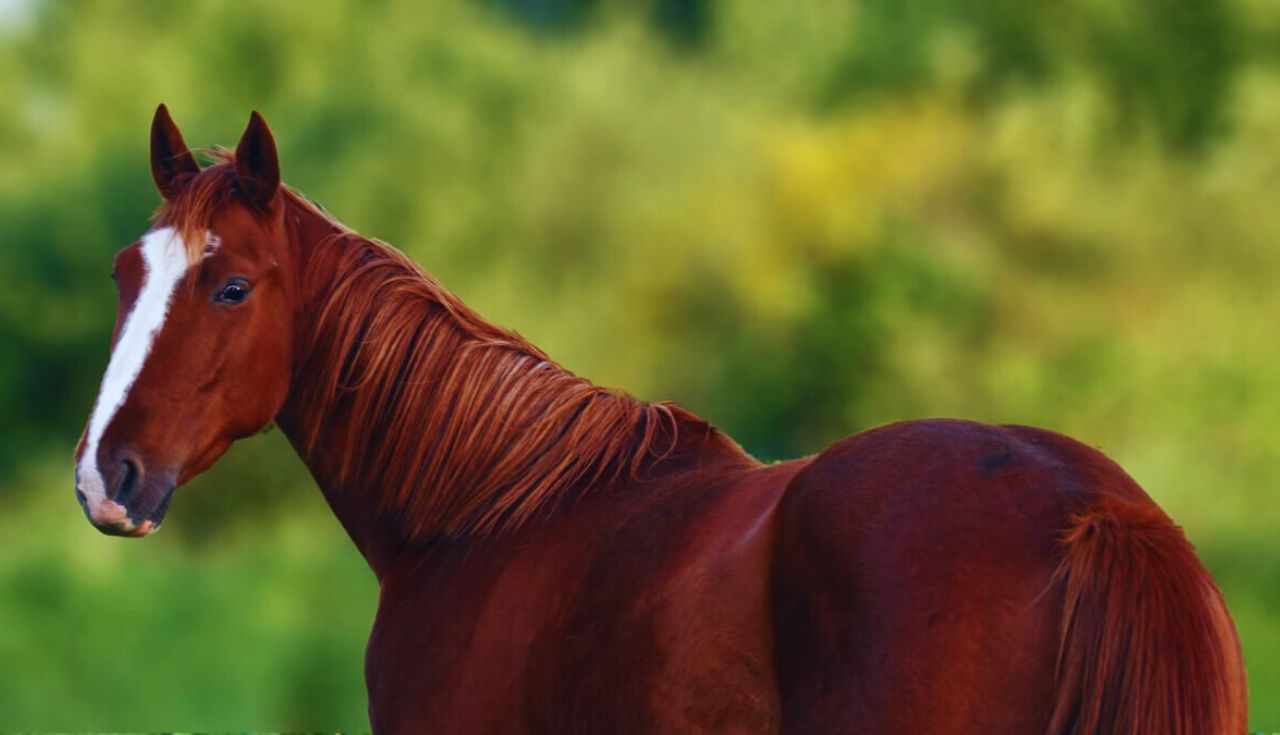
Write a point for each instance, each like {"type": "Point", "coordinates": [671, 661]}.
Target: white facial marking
{"type": "Point", "coordinates": [211, 244]}
{"type": "Point", "coordinates": [164, 258]}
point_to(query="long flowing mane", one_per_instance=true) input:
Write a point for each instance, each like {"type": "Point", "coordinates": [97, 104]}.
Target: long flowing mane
{"type": "Point", "coordinates": [456, 425]}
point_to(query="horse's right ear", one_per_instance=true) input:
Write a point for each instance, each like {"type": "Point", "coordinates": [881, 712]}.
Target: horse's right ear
{"type": "Point", "coordinates": [171, 160]}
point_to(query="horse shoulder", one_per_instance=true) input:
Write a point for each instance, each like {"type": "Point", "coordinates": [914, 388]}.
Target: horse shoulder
{"type": "Point", "coordinates": [700, 593]}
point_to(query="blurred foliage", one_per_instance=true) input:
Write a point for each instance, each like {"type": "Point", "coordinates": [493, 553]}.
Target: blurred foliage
{"type": "Point", "coordinates": [798, 219]}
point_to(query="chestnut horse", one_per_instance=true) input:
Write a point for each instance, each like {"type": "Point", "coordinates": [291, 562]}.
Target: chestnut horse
{"type": "Point", "coordinates": [556, 557]}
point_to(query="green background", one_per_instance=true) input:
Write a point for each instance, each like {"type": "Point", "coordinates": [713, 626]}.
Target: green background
{"type": "Point", "coordinates": [797, 219]}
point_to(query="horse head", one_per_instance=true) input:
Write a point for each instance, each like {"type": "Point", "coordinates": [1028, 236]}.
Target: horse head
{"type": "Point", "coordinates": [201, 349]}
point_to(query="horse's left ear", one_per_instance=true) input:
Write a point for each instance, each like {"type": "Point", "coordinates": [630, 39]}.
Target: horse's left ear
{"type": "Point", "coordinates": [257, 165]}
{"type": "Point", "coordinates": [172, 164]}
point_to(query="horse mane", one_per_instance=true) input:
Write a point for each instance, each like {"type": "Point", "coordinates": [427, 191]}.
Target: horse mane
{"type": "Point", "coordinates": [454, 425]}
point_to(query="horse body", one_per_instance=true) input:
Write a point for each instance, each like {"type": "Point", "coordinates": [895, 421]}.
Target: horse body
{"type": "Point", "coordinates": [554, 557]}
{"type": "Point", "coordinates": [902, 580]}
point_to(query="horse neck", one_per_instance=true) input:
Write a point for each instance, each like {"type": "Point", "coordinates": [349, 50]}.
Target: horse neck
{"type": "Point", "coordinates": [419, 420]}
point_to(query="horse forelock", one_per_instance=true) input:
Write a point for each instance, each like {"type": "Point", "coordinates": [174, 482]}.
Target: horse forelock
{"type": "Point", "coordinates": [191, 210]}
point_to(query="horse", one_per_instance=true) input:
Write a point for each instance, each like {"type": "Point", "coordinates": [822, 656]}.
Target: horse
{"type": "Point", "coordinates": [557, 557]}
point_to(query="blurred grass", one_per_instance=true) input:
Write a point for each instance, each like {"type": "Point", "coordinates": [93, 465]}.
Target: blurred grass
{"type": "Point", "coordinates": [797, 219]}
{"type": "Point", "coordinates": [256, 629]}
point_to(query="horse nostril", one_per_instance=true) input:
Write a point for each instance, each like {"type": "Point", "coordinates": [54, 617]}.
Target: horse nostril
{"type": "Point", "coordinates": [128, 483]}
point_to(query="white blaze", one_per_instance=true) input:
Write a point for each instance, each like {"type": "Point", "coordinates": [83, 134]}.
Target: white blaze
{"type": "Point", "coordinates": [164, 260]}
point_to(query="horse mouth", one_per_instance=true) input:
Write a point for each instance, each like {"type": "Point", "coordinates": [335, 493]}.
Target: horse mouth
{"type": "Point", "coordinates": [130, 531]}
{"type": "Point", "coordinates": [142, 519]}
{"type": "Point", "coordinates": [150, 520]}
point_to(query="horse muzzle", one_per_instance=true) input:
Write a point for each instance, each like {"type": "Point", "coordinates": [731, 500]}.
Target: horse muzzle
{"type": "Point", "coordinates": [126, 499]}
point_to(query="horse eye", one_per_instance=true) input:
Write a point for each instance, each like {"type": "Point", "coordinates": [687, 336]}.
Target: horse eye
{"type": "Point", "coordinates": [232, 292]}
{"type": "Point", "coordinates": [115, 277]}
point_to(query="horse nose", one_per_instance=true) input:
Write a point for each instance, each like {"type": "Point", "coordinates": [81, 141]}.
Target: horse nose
{"type": "Point", "coordinates": [109, 496]}
{"type": "Point", "coordinates": [123, 485]}
{"type": "Point", "coordinates": [123, 476]}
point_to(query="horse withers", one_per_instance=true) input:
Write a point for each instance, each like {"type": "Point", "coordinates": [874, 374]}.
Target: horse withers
{"type": "Point", "coordinates": [556, 557]}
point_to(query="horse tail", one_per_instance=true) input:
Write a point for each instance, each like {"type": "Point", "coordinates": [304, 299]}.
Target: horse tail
{"type": "Point", "coordinates": [1147, 644]}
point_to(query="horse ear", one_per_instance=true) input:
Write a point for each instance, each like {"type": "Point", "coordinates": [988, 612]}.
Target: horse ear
{"type": "Point", "coordinates": [171, 160]}
{"type": "Point", "coordinates": [257, 165]}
